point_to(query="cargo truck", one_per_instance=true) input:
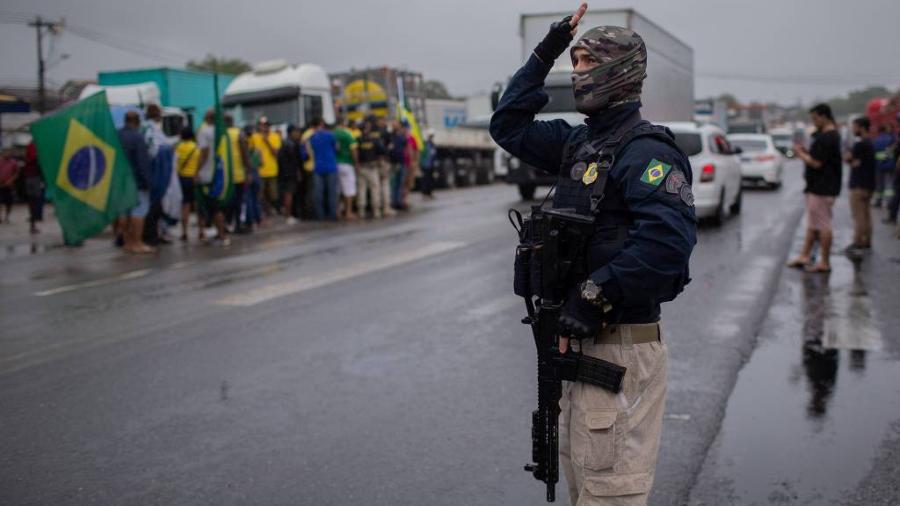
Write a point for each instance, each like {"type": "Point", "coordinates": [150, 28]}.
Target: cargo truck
{"type": "Point", "coordinates": [668, 92]}
{"type": "Point", "coordinates": [189, 90]}
{"type": "Point", "coordinates": [465, 152]}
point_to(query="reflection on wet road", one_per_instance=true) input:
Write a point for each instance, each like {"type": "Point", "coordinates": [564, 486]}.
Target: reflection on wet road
{"type": "Point", "coordinates": [814, 402]}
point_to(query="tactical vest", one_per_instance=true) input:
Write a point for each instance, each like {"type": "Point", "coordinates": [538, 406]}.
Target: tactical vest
{"type": "Point", "coordinates": [586, 158]}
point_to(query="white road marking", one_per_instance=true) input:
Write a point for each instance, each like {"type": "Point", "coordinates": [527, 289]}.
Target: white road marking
{"type": "Point", "coordinates": [97, 282]}
{"type": "Point", "coordinates": [304, 283]}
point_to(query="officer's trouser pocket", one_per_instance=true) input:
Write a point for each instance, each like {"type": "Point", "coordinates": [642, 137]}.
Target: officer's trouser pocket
{"type": "Point", "coordinates": [599, 431]}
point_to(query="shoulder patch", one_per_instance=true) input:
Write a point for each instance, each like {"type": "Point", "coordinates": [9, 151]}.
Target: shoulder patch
{"type": "Point", "coordinates": [655, 172]}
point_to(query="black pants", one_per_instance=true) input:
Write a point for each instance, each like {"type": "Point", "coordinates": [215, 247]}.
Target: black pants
{"type": "Point", "coordinates": [427, 180]}
{"type": "Point", "coordinates": [233, 217]}
{"type": "Point", "coordinates": [894, 204]}
{"type": "Point", "coordinates": [151, 223]}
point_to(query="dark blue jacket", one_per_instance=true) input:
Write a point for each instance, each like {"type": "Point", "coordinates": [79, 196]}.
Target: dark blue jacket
{"type": "Point", "coordinates": [663, 228]}
{"type": "Point", "coordinates": [138, 156]}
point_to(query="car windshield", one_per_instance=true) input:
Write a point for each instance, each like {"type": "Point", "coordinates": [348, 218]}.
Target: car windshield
{"type": "Point", "coordinates": [748, 145]}
{"type": "Point", "coordinates": [782, 139]}
{"type": "Point", "coordinates": [690, 143]}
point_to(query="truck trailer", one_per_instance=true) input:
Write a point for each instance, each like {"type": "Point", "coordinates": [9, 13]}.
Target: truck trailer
{"type": "Point", "coordinates": [189, 90]}
{"type": "Point", "coordinates": [668, 91]}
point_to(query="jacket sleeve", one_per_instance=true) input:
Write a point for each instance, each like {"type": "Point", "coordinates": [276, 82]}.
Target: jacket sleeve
{"type": "Point", "coordinates": [653, 265]}
{"type": "Point", "coordinates": [537, 143]}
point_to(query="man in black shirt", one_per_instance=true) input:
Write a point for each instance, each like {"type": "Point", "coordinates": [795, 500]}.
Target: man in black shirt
{"type": "Point", "coordinates": [862, 183]}
{"type": "Point", "coordinates": [371, 152]}
{"type": "Point", "coordinates": [823, 184]}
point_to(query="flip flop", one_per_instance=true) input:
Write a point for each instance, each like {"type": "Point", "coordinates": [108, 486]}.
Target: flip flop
{"type": "Point", "coordinates": [817, 269]}
{"type": "Point", "coordinates": [798, 263]}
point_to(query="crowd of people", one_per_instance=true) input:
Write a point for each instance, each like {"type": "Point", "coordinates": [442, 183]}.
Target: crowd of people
{"type": "Point", "coordinates": [320, 172]}
{"type": "Point", "coordinates": [873, 183]}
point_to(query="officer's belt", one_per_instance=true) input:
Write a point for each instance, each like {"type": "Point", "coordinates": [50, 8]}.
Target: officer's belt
{"type": "Point", "coordinates": [635, 333]}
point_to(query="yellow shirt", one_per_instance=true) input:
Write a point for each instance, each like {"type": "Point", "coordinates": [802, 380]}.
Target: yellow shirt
{"type": "Point", "coordinates": [310, 164]}
{"type": "Point", "coordinates": [269, 167]}
{"type": "Point", "coordinates": [237, 163]}
{"type": "Point", "coordinates": [187, 158]}
{"type": "Point", "coordinates": [357, 133]}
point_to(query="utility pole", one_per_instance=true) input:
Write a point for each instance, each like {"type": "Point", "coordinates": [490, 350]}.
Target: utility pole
{"type": "Point", "coordinates": [39, 24]}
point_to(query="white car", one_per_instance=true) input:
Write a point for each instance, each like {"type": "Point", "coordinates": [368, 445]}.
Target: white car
{"type": "Point", "coordinates": [716, 169]}
{"type": "Point", "coordinates": [761, 161]}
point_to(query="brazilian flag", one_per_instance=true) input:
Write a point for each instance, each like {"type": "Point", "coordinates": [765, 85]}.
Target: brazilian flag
{"type": "Point", "coordinates": [222, 185]}
{"type": "Point", "coordinates": [87, 174]}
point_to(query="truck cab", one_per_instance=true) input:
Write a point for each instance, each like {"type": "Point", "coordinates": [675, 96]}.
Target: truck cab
{"type": "Point", "coordinates": [284, 93]}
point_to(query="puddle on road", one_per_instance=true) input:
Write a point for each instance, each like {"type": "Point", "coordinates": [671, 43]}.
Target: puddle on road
{"type": "Point", "coordinates": [814, 402]}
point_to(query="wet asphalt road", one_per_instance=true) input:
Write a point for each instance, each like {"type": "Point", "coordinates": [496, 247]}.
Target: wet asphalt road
{"type": "Point", "coordinates": [357, 364]}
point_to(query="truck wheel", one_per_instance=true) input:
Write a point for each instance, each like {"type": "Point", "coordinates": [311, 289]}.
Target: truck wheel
{"type": "Point", "coordinates": [447, 174]}
{"type": "Point", "coordinates": [527, 191]}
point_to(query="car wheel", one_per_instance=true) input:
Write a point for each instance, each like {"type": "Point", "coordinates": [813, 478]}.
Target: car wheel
{"type": "Point", "coordinates": [736, 206]}
{"type": "Point", "coordinates": [718, 218]}
{"type": "Point", "coordinates": [527, 191]}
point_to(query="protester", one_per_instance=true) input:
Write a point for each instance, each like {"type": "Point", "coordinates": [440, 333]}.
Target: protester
{"type": "Point", "coordinates": [399, 156]}
{"type": "Point", "coordinates": [370, 153]}
{"type": "Point", "coordinates": [823, 185]}
{"type": "Point", "coordinates": [862, 183]}
{"type": "Point", "coordinates": [34, 187]}
{"type": "Point", "coordinates": [159, 147]}
{"type": "Point", "coordinates": [267, 142]}
{"type": "Point", "coordinates": [253, 211]}
{"type": "Point", "coordinates": [323, 147]}
{"type": "Point", "coordinates": [131, 225]}
{"type": "Point", "coordinates": [411, 166]}
{"type": "Point", "coordinates": [206, 142]}
{"type": "Point", "coordinates": [387, 139]}
{"type": "Point", "coordinates": [429, 157]}
{"type": "Point", "coordinates": [9, 173]}
{"type": "Point", "coordinates": [290, 168]}
{"type": "Point", "coordinates": [347, 160]}
{"type": "Point", "coordinates": [187, 158]}
{"type": "Point", "coordinates": [240, 160]}
{"type": "Point", "coordinates": [884, 157]}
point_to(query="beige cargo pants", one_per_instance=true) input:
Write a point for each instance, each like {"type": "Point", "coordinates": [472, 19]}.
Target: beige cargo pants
{"type": "Point", "coordinates": [608, 442]}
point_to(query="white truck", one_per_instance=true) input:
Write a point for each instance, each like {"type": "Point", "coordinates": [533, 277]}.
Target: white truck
{"type": "Point", "coordinates": [465, 150]}
{"type": "Point", "coordinates": [668, 92]}
{"type": "Point", "coordinates": [282, 92]}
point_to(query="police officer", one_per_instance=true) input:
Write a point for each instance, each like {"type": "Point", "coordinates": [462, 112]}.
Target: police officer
{"type": "Point", "coordinates": [638, 256]}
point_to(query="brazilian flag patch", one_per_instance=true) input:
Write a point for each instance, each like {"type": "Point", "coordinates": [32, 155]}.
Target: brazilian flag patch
{"type": "Point", "coordinates": [655, 172]}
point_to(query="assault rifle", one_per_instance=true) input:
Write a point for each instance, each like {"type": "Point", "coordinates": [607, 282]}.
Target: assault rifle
{"type": "Point", "coordinates": [550, 259]}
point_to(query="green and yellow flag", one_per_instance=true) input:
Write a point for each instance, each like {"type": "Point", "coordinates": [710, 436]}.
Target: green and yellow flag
{"type": "Point", "coordinates": [88, 177]}
{"type": "Point", "coordinates": [222, 186]}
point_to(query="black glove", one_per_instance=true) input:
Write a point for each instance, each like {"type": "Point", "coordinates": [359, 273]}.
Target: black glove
{"type": "Point", "coordinates": [579, 319]}
{"type": "Point", "coordinates": [555, 42]}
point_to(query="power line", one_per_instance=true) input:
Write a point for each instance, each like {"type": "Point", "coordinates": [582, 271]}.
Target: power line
{"type": "Point", "coordinates": [122, 44]}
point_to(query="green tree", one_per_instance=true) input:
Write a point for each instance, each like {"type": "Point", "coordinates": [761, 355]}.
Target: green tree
{"type": "Point", "coordinates": [222, 65]}
{"type": "Point", "coordinates": [436, 89]}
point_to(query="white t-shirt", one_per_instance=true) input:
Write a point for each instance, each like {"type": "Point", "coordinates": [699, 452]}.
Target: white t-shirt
{"type": "Point", "coordinates": [206, 139]}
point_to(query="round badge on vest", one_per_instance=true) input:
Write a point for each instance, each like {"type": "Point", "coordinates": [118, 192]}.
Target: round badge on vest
{"type": "Point", "coordinates": [578, 171]}
{"type": "Point", "coordinates": [590, 175]}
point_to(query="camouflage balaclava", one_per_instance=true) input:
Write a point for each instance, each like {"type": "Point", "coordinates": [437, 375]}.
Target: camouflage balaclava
{"type": "Point", "coordinates": [618, 78]}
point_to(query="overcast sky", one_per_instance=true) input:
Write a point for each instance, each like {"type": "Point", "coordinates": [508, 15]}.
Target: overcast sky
{"type": "Point", "coordinates": [800, 50]}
